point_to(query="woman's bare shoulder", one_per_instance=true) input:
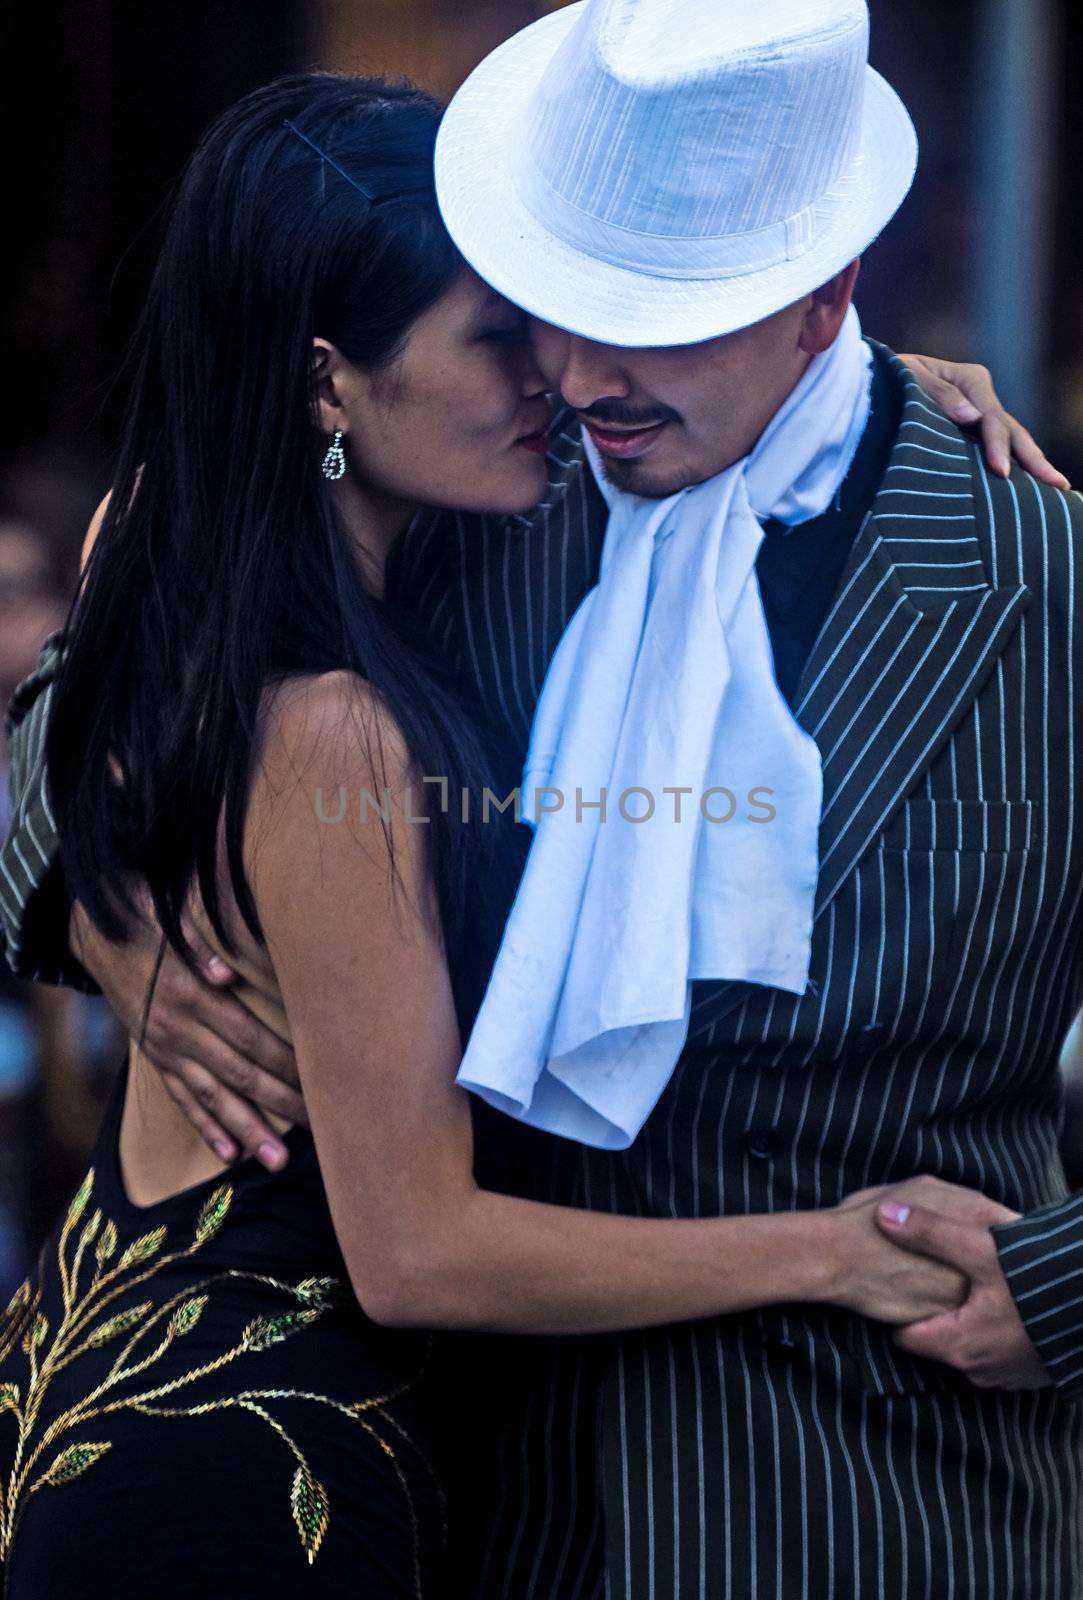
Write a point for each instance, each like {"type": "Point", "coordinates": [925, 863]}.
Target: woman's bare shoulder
{"type": "Point", "coordinates": [331, 787]}
{"type": "Point", "coordinates": [331, 718]}
{"type": "Point", "coordinates": [311, 712]}
{"type": "Point", "coordinates": [338, 872]}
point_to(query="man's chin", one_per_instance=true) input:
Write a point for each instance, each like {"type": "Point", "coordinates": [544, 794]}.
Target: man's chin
{"type": "Point", "coordinates": [649, 479]}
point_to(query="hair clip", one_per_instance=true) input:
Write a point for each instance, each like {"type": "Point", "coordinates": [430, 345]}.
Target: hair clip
{"type": "Point", "coordinates": [360, 187]}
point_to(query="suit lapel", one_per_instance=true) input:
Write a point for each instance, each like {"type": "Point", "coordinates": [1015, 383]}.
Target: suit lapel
{"type": "Point", "coordinates": [914, 632]}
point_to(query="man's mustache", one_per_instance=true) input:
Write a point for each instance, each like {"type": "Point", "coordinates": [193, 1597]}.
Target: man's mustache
{"type": "Point", "coordinates": [619, 415]}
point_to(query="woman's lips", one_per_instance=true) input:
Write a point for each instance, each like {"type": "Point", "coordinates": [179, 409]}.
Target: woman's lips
{"type": "Point", "coordinates": [536, 443]}
{"type": "Point", "coordinates": [628, 443]}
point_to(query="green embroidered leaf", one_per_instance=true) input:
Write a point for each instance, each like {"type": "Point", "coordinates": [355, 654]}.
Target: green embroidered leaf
{"type": "Point", "coordinates": [213, 1214]}
{"type": "Point", "coordinates": [142, 1249]}
{"type": "Point", "coordinates": [78, 1205]}
{"type": "Point", "coordinates": [320, 1292]}
{"type": "Point", "coordinates": [118, 1324]}
{"type": "Point", "coordinates": [91, 1229]}
{"type": "Point", "coordinates": [9, 1397]}
{"type": "Point", "coordinates": [74, 1460]}
{"type": "Point", "coordinates": [308, 1502]}
{"type": "Point", "coordinates": [187, 1315]}
{"type": "Point", "coordinates": [266, 1331]}
{"type": "Point", "coordinates": [18, 1299]}
{"type": "Point", "coordinates": [106, 1244]}
{"type": "Point", "coordinates": [35, 1336]}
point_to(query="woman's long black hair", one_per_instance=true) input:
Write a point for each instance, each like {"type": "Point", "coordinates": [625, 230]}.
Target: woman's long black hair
{"type": "Point", "coordinates": [219, 566]}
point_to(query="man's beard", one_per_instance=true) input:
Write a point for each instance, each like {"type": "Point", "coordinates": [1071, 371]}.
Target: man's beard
{"type": "Point", "coordinates": [650, 483]}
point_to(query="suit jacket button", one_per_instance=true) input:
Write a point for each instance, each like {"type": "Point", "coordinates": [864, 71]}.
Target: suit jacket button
{"type": "Point", "coordinates": [870, 1037]}
{"type": "Point", "coordinates": [763, 1143]}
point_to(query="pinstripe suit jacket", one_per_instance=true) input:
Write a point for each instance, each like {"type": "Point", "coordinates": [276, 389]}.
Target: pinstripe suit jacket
{"type": "Point", "coordinates": [795, 1451]}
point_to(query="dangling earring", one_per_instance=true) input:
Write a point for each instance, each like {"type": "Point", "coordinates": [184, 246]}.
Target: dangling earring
{"type": "Point", "coordinates": [334, 462]}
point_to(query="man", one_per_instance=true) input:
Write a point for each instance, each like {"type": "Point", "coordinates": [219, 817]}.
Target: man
{"type": "Point", "coordinates": [923, 631]}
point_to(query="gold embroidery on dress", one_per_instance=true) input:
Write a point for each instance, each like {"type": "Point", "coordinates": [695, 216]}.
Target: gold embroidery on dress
{"type": "Point", "coordinates": [23, 1323]}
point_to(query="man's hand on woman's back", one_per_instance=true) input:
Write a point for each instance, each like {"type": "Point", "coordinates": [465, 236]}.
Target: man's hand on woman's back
{"type": "Point", "coordinates": [219, 1063]}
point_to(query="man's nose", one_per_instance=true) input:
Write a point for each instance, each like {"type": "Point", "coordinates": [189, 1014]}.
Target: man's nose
{"type": "Point", "coordinates": [583, 372]}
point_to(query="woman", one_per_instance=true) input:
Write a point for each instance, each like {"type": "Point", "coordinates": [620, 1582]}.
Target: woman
{"type": "Point", "coordinates": [315, 363]}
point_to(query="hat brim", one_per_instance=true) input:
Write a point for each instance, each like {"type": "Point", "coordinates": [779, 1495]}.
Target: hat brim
{"type": "Point", "coordinates": [564, 285]}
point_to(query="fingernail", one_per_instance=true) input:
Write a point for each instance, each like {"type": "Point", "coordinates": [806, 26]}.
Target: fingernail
{"type": "Point", "coordinates": [272, 1155]}
{"type": "Point", "coordinates": [217, 969]}
{"type": "Point", "coordinates": [965, 411]}
{"type": "Point", "coordinates": [224, 1151]}
{"type": "Point", "coordinates": [891, 1211]}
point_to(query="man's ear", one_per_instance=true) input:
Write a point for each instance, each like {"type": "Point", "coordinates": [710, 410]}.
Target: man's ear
{"type": "Point", "coordinates": [329, 372]}
{"type": "Point", "coordinates": [827, 308]}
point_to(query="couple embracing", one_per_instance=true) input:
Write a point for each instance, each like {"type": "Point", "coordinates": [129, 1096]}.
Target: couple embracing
{"type": "Point", "coordinates": [617, 1197]}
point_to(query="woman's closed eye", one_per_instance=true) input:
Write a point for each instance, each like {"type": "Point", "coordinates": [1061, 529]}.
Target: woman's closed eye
{"type": "Point", "coordinates": [507, 332]}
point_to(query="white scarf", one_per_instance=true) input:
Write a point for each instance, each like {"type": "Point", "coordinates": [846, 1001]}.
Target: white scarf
{"type": "Point", "coordinates": [664, 678]}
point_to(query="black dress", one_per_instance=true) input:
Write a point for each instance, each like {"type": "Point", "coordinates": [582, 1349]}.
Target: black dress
{"type": "Point", "coordinates": [192, 1403]}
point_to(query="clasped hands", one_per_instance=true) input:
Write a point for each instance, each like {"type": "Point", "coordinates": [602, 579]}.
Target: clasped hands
{"type": "Point", "coordinates": [983, 1337]}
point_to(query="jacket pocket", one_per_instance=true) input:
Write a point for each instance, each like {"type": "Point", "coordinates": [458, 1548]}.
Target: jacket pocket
{"type": "Point", "coordinates": [962, 825]}
{"type": "Point", "coordinates": [954, 877]}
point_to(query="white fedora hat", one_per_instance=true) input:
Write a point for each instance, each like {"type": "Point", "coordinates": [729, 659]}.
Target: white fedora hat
{"type": "Point", "coordinates": [659, 172]}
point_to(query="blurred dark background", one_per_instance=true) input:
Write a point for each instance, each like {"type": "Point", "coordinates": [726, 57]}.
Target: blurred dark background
{"type": "Point", "coordinates": [102, 102]}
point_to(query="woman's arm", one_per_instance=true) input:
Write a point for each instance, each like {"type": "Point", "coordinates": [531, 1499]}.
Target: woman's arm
{"type": "Point", "coordinates": [361, 968]}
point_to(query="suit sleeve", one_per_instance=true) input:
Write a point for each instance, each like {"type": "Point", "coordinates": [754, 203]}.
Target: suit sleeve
{"type": "Point", "coordinates": [1042, 1254]}
{"type": "Point", "coordinates": [1042, 1259]}
{"type": "Point", "coordinates": [34, 906]}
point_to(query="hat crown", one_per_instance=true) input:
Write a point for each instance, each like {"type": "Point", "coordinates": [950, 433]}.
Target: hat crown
{"type": "Point", "coordinates": [698, 121]}
{"type": "Point", "coordinates": [645, 41]}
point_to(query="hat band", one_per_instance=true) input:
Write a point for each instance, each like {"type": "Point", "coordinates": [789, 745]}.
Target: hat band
{"type": "Point", "coordinates": [727, 255]}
